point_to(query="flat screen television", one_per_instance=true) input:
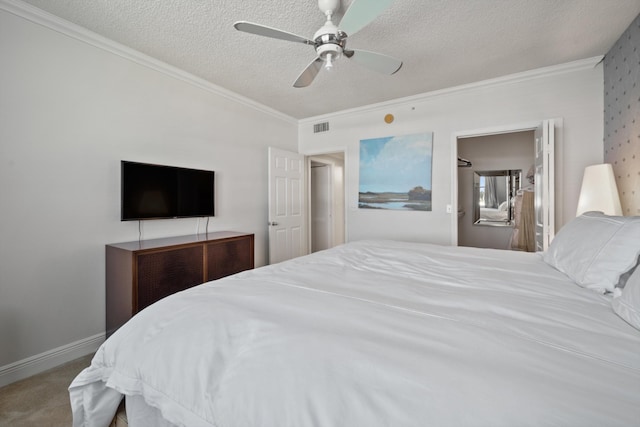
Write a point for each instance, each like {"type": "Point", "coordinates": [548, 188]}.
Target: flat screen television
{"type": "Point", "coordinates": [158, 192]}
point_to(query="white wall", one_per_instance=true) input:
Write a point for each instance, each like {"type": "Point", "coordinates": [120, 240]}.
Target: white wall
{"type": "Point", "coordinates": [69, 112]}
{"type": "Point", "coordinates": [572, 92]}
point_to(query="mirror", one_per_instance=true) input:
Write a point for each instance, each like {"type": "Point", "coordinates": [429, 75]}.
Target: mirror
{"type": "Point", "coordinates": [493, 194]}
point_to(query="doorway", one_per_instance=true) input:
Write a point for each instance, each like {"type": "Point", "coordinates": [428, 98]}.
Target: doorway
{"type": "Point", "coordinates": [489, 155]}
{"type": "Point", "coordinates": [326, 217]}
{"type": "Point", "coordinates": [546, 146]}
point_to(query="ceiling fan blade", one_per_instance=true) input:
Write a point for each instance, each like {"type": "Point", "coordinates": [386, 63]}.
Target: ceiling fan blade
{"type": "Point", "coordinates": [274, 33]}
{"type": "Point", "coordinates": [306, 77]}
{"type": "Point", "coordinates": [375, 61]}
{"type": "Point", "coordinates": [361, 13]}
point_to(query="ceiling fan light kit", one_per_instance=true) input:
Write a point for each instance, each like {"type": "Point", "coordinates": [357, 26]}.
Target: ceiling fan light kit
{"type": "Point", "coordinates": [330, 41]}
{"type": "Point", "coordinates": [329, 52]}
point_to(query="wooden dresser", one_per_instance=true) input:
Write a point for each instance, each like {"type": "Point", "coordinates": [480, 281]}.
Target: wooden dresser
{"type": "Point", "coordinates": [140, 273]}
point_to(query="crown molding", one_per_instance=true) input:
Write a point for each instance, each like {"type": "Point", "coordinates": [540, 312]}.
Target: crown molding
{"type": "Point", "coordinates": [582, 64]}
{"type": "Point", "coordinates": [48, 20]}
{"type": "Point", "coordinates": [52, 22]}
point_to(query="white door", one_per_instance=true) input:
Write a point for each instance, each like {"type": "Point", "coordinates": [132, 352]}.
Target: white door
{"type": "Point", "coordinates": [321, 197]}
{"type": "Point", "coordinates": [544, 185]}
{"type": "Point", "coordinates": [286, 205]}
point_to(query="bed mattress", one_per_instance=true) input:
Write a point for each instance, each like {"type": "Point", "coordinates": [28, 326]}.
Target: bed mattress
{"type": "Point", "coordinates": [373, 333]}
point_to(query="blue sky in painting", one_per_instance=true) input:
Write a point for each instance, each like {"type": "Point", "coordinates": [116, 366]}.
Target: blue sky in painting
{"type": "Point", "coordinates": [396, 163]}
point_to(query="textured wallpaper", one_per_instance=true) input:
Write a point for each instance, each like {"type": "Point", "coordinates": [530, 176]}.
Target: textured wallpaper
{"type": "Point", "coordinates": [622, 116]}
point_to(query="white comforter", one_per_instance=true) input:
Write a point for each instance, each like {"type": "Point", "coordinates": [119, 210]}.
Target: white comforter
{"type": "Point", "coordinates": [373, 334]}
{"type": "Point", "coordinates": [491, 214]}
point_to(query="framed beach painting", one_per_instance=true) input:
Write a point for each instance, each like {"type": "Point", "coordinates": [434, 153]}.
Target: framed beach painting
{"type": "Point", "coordinates": [395, 172]}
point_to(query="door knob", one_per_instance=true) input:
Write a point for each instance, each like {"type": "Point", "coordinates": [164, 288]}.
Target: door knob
{"type": "Point", "coordinates": [273, 223]}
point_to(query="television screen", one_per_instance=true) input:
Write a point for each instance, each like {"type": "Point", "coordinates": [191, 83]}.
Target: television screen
{"type": "Point", "coordinates": [157, 192]}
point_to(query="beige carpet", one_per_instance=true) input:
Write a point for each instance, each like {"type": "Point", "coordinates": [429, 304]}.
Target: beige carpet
{"type": "Point", "coordinates": [41, 400]}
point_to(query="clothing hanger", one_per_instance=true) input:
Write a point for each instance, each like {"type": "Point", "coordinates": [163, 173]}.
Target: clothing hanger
{"type": "Point", "coordinates": [464, 163]}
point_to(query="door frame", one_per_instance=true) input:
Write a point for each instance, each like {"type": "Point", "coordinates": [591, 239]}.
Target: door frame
{"type": "Point", "coordinates": [330, 225]}
{"type": "Point", "coordinates": [309, 155]}
{"type": "Point", "coordinates": [509, 128]}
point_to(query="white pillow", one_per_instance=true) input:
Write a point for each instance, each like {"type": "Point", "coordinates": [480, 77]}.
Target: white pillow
{"type": "Point", "coordinates": [627, 305]}
{"type": "Point", "coordinates": [595, 249]}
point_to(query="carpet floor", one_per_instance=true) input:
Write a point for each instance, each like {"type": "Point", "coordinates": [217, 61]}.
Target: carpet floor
{"type": "Point", "coordinates": [41, 400]}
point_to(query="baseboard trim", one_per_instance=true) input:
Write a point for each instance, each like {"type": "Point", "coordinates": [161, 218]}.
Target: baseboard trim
{"type": "Point", "coordinates": [49, 359]}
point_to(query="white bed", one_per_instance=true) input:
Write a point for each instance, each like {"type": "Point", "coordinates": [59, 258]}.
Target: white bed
{"type": "Point", "coordinates": [493, 214]}
{"type": "Point", "coordinates": [501, 213]}
{"type": "Point", "coordinates": [373, 333]}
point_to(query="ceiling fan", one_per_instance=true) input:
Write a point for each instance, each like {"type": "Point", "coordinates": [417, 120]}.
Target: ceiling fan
{"type": "Point", "coordinates": [330, 41]}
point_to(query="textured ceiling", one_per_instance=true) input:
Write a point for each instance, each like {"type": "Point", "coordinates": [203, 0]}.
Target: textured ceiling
{"type": "Point", "coordinates": [443, 43]}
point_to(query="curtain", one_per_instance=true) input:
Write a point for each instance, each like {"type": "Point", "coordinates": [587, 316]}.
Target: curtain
{"type": "Point", "coordinates": [490, 192]}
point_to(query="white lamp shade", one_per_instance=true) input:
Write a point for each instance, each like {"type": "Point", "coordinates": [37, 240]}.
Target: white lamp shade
{"type": "Point", "coordinates": [599, 191]}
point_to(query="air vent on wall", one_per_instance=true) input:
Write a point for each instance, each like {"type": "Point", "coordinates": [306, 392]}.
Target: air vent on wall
{"type": "Point", "coordinates": [321, 127]}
